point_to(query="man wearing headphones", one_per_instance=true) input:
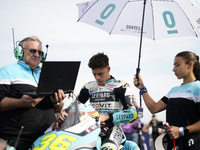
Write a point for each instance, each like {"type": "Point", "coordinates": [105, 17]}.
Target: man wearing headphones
{"type": "Point", "coordinates": [23, 118]}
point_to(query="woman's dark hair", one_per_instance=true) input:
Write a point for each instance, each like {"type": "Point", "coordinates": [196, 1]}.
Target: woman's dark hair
{"type": "Point", "coordinates": [100, 60]}
{"type": "Point", "coordinates": [190, 56]}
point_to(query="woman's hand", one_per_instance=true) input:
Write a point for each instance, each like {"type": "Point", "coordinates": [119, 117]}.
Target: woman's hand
{"type": "Point", "coordinates": [135, 82]}
{"type": "Point", "coordinates": [173, 132]}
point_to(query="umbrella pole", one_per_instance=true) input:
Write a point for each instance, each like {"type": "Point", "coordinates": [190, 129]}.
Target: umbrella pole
{"type": "Point", "coordinates": [140, 111]}
{"type": "Point", "coordinates": [138, 68]}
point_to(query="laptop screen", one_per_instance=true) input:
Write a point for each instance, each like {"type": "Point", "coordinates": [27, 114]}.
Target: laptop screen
{"type": "Point", "coordinates": [58, 75]}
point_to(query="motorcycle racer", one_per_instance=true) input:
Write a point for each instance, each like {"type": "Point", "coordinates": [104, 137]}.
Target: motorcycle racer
{"type": "Point", "coordinates": [111, 98]}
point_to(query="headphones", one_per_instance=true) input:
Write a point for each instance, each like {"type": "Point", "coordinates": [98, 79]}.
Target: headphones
{"type": "Point", "coordinates": [19, 53]}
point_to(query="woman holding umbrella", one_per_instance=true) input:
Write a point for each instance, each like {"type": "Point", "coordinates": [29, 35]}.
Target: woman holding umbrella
{"type": "Point", "coordinates": [182, 103]}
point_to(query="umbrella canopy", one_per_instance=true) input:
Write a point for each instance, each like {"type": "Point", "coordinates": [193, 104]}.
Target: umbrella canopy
{"type": "Point", "coordinates": [152, 19]}
{"type": "Point", "coordinates": [163, 18]}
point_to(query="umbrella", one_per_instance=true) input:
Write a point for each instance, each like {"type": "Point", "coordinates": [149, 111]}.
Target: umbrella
{"type": "Point", "coordinates": [154, 19]}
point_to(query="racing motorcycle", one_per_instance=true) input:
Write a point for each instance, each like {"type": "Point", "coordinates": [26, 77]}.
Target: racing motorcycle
{"type": "Point", "coordinates": [80, 130]}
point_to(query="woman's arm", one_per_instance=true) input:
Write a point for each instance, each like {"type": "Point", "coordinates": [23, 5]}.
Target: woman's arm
{"type": "Point", "coordinates": [153, 106]}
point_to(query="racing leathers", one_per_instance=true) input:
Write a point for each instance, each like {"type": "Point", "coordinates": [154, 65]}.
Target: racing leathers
{"type": "Point", "coordinates": [114, 98]}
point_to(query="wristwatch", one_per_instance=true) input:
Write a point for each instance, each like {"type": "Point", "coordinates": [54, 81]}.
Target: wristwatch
{"type": "Point", "coordinates": [186, 131]}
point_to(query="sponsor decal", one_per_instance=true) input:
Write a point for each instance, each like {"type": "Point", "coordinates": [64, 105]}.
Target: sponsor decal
{"type": "Point", "coordinates": [93, 89]}
{"type": "Point", "coordinates": [132, 27]}
{"type": "Point", "coordinates": [124, 116]}
{"type": "Point", "coordinates": [90, 129]}
{"type": "Point", "coordinates": [107, 111]}
{"type": "Point", "coordinates": [96, 106]}
{"type": "Point", "coordinates": [102, 96]}
{"type": "Point", "coordinates": [109, 87]}
{"type": "Point", "coordinates": [117, 135]}
{"type": "Point", "coordinates": [106, 105]}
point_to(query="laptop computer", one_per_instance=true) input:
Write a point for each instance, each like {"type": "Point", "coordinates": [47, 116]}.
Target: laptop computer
{"type": "Point", "coordinates": [56, 75]}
